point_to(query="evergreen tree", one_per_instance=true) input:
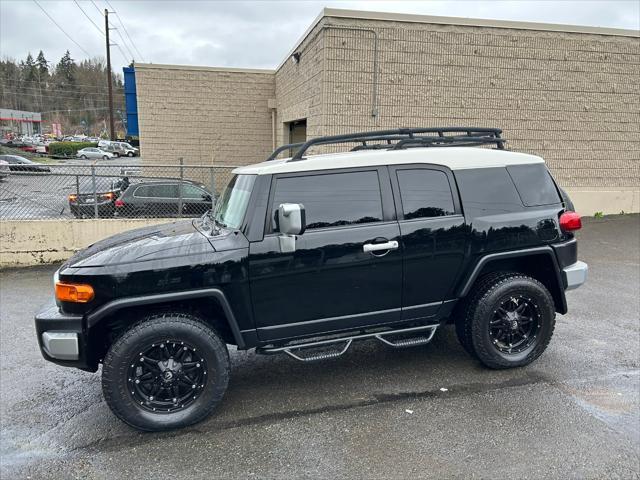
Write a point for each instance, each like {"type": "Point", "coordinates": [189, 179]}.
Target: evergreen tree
{"type": "Point", "coordinates": [43, 67]}
{"type": "Point", "coordinates": [29, 70]}
{"type": "Point", "coordinates": [65, 70]}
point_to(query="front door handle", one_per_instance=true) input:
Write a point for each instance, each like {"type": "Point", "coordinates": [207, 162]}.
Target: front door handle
{"type": "Point", "coordinates": [377, 247]}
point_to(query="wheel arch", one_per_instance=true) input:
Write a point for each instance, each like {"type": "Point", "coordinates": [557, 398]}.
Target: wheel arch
{"type": "Point", "coordinates": [107, 322]}
{"type": "Point", "coordinates": [540, 263]}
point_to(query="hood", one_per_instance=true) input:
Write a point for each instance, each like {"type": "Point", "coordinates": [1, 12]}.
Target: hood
{"type": "Point", "coordinates": [157, 242]}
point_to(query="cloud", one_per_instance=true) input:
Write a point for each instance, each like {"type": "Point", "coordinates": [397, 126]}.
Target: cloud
{"type": "Point", "coordinates": [254, 34]}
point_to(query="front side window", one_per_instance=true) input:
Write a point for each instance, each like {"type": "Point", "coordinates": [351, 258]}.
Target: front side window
{"type": "Point", "coordinates": [332, 200]}
{"type": "Point", "coordinates": [425, 193]}
{"type": "Point", "coordinates": [232, 205]}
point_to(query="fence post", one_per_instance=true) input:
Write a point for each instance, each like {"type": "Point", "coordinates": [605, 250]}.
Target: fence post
{"type": "Point", "coordinates": [95, 193]}
{"type": "Point", "coordinates": [181, 160]}
{"type": "Point", "coordinates": [213, 186]}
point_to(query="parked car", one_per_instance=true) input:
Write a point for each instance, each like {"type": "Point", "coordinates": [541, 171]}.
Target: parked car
{"type": "Point", "coordinates": [161, 198]}
{"type": "Point", "coordinates": [128, 150]}
{"type": "Point", "coordinates": [95, 153]}
{"type": "Point", "coordinates": [315, 252]}
{"type": "Point", "coordinates": [4, 170]}
{"type": "Point", "coordinates": [82, 203]}
{"type": "Point", "coordinates": [21, 164]}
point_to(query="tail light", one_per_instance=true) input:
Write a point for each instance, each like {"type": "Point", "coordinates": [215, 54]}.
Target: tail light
{"type": "Point", "coordinates": [570, 221]}
{"type": "Point", "coordinates": [73, 292]}
{"type": "Point", "coordinates": [119, 203]}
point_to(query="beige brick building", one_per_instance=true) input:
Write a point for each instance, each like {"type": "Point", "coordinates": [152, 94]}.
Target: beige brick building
{"type": "Point", "coordinates": [570, 94]}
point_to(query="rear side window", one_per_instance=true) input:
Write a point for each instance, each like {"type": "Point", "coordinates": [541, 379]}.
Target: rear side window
{"type": "Point", "coordinates": [487, 191]}
{"type": "Point", "coordinates": [332, 200]}
{"type": "Point", "coordinates": [157, 191]}
{"type": "Point", "coordinates": [534, 184]}
{"type": "Point", "coordinates": [425, 193]}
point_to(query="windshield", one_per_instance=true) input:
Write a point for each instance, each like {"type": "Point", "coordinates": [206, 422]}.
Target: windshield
{"type": "Point", "coordinates": [232, 205]}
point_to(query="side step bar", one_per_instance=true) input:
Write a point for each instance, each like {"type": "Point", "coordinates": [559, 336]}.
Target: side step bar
{"type": "Point", "coordinates": [424, 334]}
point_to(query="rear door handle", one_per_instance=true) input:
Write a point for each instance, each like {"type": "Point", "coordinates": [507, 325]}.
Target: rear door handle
{"type": "Point", "coordinates": [377, 247]}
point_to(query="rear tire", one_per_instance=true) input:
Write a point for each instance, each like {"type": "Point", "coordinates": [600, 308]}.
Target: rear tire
{"type": "Point", "coordinates": [135, 382]}
{"type": "Point", "coordinates": [83, 157]}
{"type": "Point", "coordinates": [508, 320]}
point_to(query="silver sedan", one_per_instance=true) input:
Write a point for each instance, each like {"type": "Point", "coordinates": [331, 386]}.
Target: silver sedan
{"type": "Point", "coordinates": [92, 152]}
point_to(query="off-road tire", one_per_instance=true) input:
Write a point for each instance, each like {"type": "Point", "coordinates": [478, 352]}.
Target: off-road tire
{"type": "Point", "coordinates": [472, 327]}
{"type": "Point", "coordinates": [154, 329]}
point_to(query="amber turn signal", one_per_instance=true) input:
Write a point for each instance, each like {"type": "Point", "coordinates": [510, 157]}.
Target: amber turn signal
{"type": "Point", "coordinates": [72, 292]}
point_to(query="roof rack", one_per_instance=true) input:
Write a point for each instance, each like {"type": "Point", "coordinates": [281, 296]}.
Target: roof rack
{"type": "Point", "coordinates": [403, 138]}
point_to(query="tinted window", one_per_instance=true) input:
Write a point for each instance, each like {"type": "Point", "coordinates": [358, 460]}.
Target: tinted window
{"type": "Point", "coordinates": [332, 200]}
{"type": "Point", "coordinates": [487, 191]}
{"type": "Point", "coordinates": [534, 184]}
{"type": "Point", "coordinates": [424, 193]}
{"type": "Point", "coordinates": [193, 192]}
{"type": "Point", "coordinates": [157, 191]}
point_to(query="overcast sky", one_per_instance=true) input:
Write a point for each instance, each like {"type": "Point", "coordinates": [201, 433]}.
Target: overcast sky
{"type": "Point", "coordinates": [244, 34]}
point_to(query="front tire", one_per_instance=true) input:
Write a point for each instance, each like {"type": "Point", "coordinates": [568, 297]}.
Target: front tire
{"type": "Point", "coordinates": [508, 320]}
{"type": "Point", "coordinates": [166, 372]}
{"type": "Point", "coordinates": [105, 157]}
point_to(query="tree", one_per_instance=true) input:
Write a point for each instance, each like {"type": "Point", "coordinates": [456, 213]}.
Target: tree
{"type": "Point", "coordinates": [43, 67]}
{"type": "Point", "coordinates": [29, 70]}
{"type": "Point", "coordinates": [66, 69]}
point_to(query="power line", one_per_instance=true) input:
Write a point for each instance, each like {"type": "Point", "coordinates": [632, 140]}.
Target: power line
{"type": "Point", "coordinates": [97, 7]}
{"type": "Point", "coordinates": [125, 44]}
{"type": "Point", "coordinates": [126, 32]}
{"type": "Point", "coordinates": [88, 18]}
{"type": "Point", "coordinates": [61, 29]}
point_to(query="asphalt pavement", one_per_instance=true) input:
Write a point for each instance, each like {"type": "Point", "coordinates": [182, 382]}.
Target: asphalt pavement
{"type": "Point", "coordinates": [424, 412]}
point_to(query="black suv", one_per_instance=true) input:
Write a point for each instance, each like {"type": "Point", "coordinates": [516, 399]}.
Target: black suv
{"type": "Point", "coordinates": [164, 198]}
{"type": "Point", "coordinates": [308, 254]}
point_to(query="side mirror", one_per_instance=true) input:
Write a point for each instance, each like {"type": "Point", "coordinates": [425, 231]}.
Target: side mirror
{"type": "Point", "coordinates": [291, 222]}
{"type": "Point", "coordinates": [291, 219]}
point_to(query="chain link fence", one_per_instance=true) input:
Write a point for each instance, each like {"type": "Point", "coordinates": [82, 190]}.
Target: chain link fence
{"type": "Point", "coordinates": [101, 190]}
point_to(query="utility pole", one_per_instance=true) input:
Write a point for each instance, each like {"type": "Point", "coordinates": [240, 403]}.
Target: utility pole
{"type": "Point", "coordinates": [112, 130]}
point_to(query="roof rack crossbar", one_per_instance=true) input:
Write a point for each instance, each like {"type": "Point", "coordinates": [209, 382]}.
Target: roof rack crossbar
{"type": "Point", "coordinates": [462, 140]}
{"type": "Point", "coordinates": [488, 135]}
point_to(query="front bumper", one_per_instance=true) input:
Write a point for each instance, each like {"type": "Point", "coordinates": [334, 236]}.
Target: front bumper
{"type": "Point", "coordinates": [62, 337]}
{"type": "Point", "coordinates": [575, 275]}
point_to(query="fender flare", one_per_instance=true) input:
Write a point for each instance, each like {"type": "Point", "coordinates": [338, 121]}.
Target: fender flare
{"type": "Point", "coordinates": [486, 259]}
{"type": "Point", "coordinates": [109, 308]}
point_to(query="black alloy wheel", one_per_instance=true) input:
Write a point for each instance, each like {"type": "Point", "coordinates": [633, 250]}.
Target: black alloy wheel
{"type": "Point", "coordinates": [167, 371]}
{"type": "Point", "coordinates": [514, 324]}
{"type": "Point", "coordinates": [167, 376]}
{"type": "Point", "coordinates": [507, 320]}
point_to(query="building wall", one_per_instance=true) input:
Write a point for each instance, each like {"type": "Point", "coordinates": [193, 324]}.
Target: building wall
{"type": "Point", "coordinates": [572, 98]}
{"type": "Point", "coordinates": [205, 115]}
{"type": "Point", "coordinates": [299, 86]}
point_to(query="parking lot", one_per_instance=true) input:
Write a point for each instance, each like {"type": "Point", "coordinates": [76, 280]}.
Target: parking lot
{"type": "Point", "coordinates": [428, 412]}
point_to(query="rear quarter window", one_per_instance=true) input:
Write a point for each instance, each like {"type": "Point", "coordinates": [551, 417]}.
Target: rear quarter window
{"type": "Point", "coordinates": [487, 191]}
{"type": "Point", "coordinates": [534, 184]}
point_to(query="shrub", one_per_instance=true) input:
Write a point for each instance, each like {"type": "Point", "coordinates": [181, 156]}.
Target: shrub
{"type": "Point", "coordinates": [68, 149]}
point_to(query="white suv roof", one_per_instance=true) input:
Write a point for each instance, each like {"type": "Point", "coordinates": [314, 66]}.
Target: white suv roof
{"type": "Point", "coordinates": [455, 158]}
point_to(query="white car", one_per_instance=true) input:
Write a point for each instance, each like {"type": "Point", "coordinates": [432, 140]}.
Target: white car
{"type": "Point", "coordinates": [94, 153]}
{"type": "Point", "coordinates": [4, 170]}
